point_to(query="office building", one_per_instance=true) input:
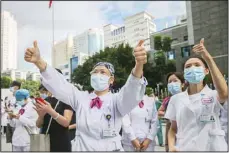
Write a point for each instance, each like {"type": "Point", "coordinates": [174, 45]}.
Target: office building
{"type": "Point", "coordinates": [8, 41]}
{"type": "Point", "coordinates": [89, 42]}
{"type": "Point", "coordinates": [180, 48]}
{"type": "Point", "coordinates": [136, 28]}
{"type": "Point", "coordinates": [209, 20]}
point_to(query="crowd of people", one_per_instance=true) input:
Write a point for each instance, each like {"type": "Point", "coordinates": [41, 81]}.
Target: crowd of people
{"type": "Point", "coordinates": [128, 120]}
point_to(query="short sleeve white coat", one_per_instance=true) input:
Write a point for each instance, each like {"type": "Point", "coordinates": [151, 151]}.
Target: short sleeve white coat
{"type": "Point", "coordinates": [193, 135]}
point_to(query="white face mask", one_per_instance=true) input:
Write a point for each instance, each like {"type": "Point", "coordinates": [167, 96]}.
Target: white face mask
{"type": "Point", "coordinates": [11, 89]}
{"type": "Point", "coordinates": [99, 82]}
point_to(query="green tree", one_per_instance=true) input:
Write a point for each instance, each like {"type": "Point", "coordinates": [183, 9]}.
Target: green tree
{"type": "Point", "coordinates": [157, 42]}
{"type": "Point", "coordinates": [122, 59]}
{"type": "Point", "coordinates": [32, 86]}
{"type": "Point", "coordinates": [166, 44]}
{"type": "Point", "coordinates": [5, 82]}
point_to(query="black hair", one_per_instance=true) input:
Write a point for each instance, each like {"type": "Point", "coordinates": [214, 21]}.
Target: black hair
{"type": "Point", "coordinates": [179, 75]}
{"type": "Point", "coordinates": [32, 97]}
{"type": "Point", "coordinates": [16, 83]}
{"type": "Point", "coordinates": [200, 58]}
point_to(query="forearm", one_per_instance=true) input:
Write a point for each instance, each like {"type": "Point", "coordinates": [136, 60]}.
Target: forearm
{"type": "Point", "coordinates": [161, 113]}
{"type": "Point", "coordinates": [41, 65]}
{"type": "Point", "coordinates": [61, 119]}
{"type": "Point", "coordinates": [171, 137]}
{"type": "Point", "coordinates": [218, 79]}
{"type": "Point", "coordinates": [73, 126]}
{"type": "Point", "coordinates": [138, 70]}
{"type": "Point", "coordinates": [40, 122]}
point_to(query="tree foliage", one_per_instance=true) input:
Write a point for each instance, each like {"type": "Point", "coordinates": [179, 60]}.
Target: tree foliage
{"type": "Point", "coordinates": [123, 61]}
{"type": "Point", "coordinates": [32, 86]}
{"type": "Point", "coordinates": [157, 43]}
{"type": "Point", "coordinates": [5, 82]}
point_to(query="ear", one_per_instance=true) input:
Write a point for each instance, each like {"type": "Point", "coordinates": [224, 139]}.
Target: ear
{"type": "Point", "coordinates": [206, 71]}
{"type": "Point", "coordinates": [111, 81]}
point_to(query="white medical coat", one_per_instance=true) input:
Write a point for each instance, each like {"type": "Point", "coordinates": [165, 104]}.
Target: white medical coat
{"type": "Point", "coordinates": [92, 121]}
{"type": "Point", "coordinates": [28, 118]}
{"type": "Point", "coordinates": [223, 119]}
{"type": "Point", "coordinates": [141, 123]}
{"type": "Point", "coordinates": [193, 135]}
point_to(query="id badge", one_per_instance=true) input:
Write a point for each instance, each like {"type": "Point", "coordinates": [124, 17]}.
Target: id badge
{"type": "Point", "coordinates": [207, 118]}
{"type": "Point", "coordinates": [109, 133]}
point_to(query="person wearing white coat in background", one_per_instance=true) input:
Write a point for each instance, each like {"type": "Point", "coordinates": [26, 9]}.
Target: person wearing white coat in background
{"type": "Point", "coordinates": [24, 121]}
{"type": "Point", "coordinates": [98, 114]}
{"type": "Point", "coordinates": [224, 120]}
{"type": "Point", "coordinates": [194, 114]}
{"type": "Point", "coordinates": [140, 126]}
{"type": "Point", "coordinates": [4, 115]}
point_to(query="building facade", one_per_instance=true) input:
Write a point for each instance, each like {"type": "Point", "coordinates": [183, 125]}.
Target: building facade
{"type": "Point", "coordinates": [180, 46]}
{"type": "Point", "coordinates": [62, 52]}
{"type": "Point", "coordinates": [209, 20]}
{"type": "Point", "coordinates": [136, 28]}
{"type": "Point", "coordinates": [15, 74]}
{"type": "Point", "coordinates": [8, 41]}
{"type": "Point", "coordinates": [89, 42]}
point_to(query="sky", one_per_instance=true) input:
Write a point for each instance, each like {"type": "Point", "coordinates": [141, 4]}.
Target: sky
{"type": "Point", "coordinates": [34, 19]}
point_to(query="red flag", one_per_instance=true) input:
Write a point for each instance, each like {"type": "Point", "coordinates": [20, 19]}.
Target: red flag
{"type": "Point", "coordinates": [50, 3]}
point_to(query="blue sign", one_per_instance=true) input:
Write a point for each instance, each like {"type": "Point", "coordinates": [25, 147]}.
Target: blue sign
{"type": "Point", "coordinates": [74, 63]}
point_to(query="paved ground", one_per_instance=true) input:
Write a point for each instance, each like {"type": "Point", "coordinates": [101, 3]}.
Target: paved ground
{"type": "Point", "coordinates": [8, 147]}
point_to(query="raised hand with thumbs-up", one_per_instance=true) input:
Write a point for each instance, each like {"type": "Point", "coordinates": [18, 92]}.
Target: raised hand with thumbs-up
{"type": "Point", "coordinates": [140, 55]}
{"type": "Point", "coordinates": [32, 55]}
{"type": "Point", "coordinates": [201, 50]}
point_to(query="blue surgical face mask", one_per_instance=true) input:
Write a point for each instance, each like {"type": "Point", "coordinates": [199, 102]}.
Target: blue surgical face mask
{"type": "Point", "coordinates": [99, 82]}
{"type": "Point", "coordinates": [174, 87]}
{"type": "Point", "coordinates": [21, 103]}
{"type": "Point", "coordinates": [194, 74]}
{"type": "Point", "coordinates": [44, 96]}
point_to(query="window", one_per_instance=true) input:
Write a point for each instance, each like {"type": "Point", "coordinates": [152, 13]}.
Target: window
{"type": "Point", "coordinates": [66, 73]}
{"type": "Point", "coordinates": [185, 38]}
{"type": "Point", "coordinates": [185, 51]}
{"type": "Point", "coordinates": [171, 55]}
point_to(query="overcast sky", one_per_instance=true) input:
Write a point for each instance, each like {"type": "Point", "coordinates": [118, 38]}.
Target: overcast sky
{"type": "Point", "coordinates": [34, 19]}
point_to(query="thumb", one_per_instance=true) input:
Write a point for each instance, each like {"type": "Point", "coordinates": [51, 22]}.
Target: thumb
{"type": "Point", "coordinates": [35, 44]}
{"type": "Point", "coordinates": [202, 41]}
{"type": "Point", "coordinates": [140, 43]}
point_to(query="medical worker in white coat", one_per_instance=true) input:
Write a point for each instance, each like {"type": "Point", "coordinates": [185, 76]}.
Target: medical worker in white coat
{"type": "Point", "coordinates": [194, 114]}
{"type": "Point", "coordinates": [224, 120]}
{"type": "Point", "coordinates": [24, 122]}
{"type": "Point", "coordinates": [139, 127]}
{"type": "Point", "coordinates": [98, 114]}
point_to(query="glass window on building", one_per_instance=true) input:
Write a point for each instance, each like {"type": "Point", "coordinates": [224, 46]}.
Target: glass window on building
{"type": "Point", "coordinates": [186, 51]}
{"type": "Point", "coordinates": [185, 38]}
{"type": "Point", "coordinates": [112, 33]}
{"type": "Point", "coordinates": [123, 29]}
{"type": "Point", "coordinates": [66, 66]}
{"type": "Point", "coordinates": [171, 55]}
{"type": "Point", "coordinates": [66, 73]}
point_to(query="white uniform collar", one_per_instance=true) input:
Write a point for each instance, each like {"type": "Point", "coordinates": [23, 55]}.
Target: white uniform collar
{"type": "Point", "coordinates": [206, 88]}
{"type": "Point", "coordinates": [93, 95]}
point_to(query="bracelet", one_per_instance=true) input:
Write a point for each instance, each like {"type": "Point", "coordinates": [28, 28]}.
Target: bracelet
{"type": "Point", "coordinates": [57, 117]}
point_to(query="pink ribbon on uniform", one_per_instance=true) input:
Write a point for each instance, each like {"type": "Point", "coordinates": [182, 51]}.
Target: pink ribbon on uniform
{"type": "Point", "coordinates": [96, 102]}
{"type": "Point", "coordinates": [141, 104]}
{"type": "Point", "coordinates": [21, 111]}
